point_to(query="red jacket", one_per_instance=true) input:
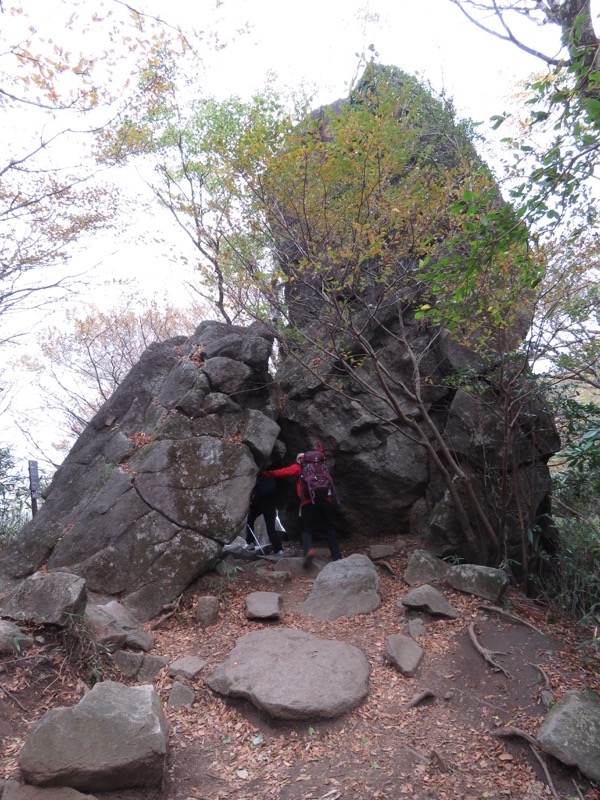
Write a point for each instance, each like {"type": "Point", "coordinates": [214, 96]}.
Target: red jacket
{"type": "Point", "coordinates": [293, 471]}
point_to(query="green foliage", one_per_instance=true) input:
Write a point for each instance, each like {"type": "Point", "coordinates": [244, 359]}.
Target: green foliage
{"type": "Point", "coordinates": [14, 498]}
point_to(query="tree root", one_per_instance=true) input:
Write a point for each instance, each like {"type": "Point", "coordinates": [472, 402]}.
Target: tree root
{"type": "Point", "coordinates": [418, 698]}
{"type": "Point", "coordinates": [488, 655]}
{"type": "Point", "coordinates": [544, 675]}
{"type": "Point", "coordinates": [514, 617]}
{"type": "Point", "coordinates": [535, 749]}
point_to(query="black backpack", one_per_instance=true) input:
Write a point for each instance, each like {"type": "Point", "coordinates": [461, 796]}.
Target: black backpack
{"type": "Point", "coordinates": [315, 477]}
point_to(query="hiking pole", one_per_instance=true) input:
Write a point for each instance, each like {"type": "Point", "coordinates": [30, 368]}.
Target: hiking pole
{"type": "Point", "coordinates": [259, 546]}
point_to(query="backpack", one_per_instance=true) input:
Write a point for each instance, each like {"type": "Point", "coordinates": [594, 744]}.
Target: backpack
{"type": "Point", "coordinates": [315, 478]}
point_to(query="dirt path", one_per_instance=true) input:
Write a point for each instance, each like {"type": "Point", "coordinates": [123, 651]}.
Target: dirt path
{"type": "Point", "coordinates": [443, 748]}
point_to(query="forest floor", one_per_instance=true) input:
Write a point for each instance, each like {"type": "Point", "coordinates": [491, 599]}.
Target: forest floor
{"type": "Point", "coordinates": [445, 747]}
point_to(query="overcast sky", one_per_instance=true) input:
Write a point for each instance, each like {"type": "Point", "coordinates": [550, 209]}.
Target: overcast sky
{"type": "Point", "coordinates": [313, 43]}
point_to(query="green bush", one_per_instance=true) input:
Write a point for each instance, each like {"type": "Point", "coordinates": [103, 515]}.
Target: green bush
{"type": "Point", "coordinates": [15, 509]}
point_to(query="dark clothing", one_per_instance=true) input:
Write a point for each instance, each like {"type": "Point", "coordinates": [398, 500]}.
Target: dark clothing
{"type": "Point", "coordinates": [310, 513]}
{"type": "Point", "coordinates": [263, 503]}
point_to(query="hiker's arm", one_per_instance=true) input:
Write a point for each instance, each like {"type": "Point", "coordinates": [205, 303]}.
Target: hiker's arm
{"type": "Point", "coordinates": [293, 471]}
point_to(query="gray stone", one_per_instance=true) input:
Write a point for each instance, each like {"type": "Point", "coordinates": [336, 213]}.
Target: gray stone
{"type": "Point", "coordinates": [404, 653]}
{"type": "Point", "coordinates": [129, 664]}
{"type": "Point", "coordinates": [114, 614]}
{"type": "Point", "coordinates": [151, 666]}
{"type": "Point", "coordinates": [344, 588]}
{"type": "Point", "coordinates": [180, 695]}
{"type": "Point", "coordinates": [423, 567]}
{"type": "Point", "coordinates": [377, 551]}
{"type": "Point", "coordinates": [53, 598]}
{"type": "Point", "coordinates": [278, 577]}
{"type": "Point", "coordinates": [207, 611]}
{"type": "Point", "coordinates": [114, 738]}
{"type": "Point", "coordinates": [18, 791]}
{"type": "Point", "coordinates": [429, 599]}
{"type": "Point", "coordinates": [263, 605]}
{"type": "Point", "coordinates": [485, 582]}
{"type": "Point", "coordinates": [294, 675]}
{"type": "Point", "coordinates": [186, 667]}
{"type": "Point", "coordinates": [416, 627]}
{"type": "Point", "coordinates": [571, 732]}
{"type": "Point", "coordinates": [12, 638]}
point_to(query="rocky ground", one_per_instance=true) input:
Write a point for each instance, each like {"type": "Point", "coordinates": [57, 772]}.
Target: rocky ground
{"type": "Point", "coordinates": [444, 746]}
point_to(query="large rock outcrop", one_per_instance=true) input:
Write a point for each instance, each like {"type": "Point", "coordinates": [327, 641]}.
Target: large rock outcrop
{"type": "Point", "coordinates": [160, 479]}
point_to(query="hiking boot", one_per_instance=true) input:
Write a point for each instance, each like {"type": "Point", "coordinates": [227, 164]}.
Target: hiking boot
{"type": "Point", "coordinates": [308, 558]}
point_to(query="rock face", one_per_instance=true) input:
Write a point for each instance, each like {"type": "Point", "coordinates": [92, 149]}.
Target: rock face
{"type": "Point", "coordinates": [294, 675]}
{"type": "Point", "coordinates": [114, 738]}
{"type": "Point", "coordinates": [161, 477]}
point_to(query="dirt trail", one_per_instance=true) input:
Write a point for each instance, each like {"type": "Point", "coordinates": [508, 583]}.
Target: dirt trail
{"type": "Point", "coordinates": [442, 748]}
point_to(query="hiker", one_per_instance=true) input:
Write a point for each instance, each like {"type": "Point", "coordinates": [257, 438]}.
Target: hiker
{"type": "Point", "coordinates": [263, 502]}
{"type": "Point", "coordinates": [316, 493]}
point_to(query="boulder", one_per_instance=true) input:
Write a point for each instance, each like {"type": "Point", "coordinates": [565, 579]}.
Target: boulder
{"type": "Point", "coordinates": [294, 675]}
{"type": "Point", "coordinates": [54, 598]}
{"type": "Point", "coordinates": [571, 732]}
{"type": "Point", "coordinates": [114, 738]}
{"type": "Point", "coordinates": [481, 581]}
{"type": "Point", "coordinates": [344, 588]}
{"type": "Point", "coordinates": [424, 567]}
{"type": "Point", "coordinates": [429, 599]}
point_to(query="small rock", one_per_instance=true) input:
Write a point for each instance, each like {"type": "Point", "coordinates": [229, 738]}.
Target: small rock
{"type": "Point", "coordinates": [263, 605]}
{"type": "Point", "coordinates": [180, 695]}
{"type": "Point", "coordinates": [429, 599]}
{"type": "Point", "coordinates": [186, 667]}
{"type": "Point", "coordinates": [404, 653]}
{"type": "Point", "coordinates": [207, 611]}
{"type": "Point", "coordinates": [416, 627]}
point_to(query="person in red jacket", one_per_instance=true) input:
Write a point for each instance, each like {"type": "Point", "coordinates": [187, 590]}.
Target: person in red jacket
{"type": "Point", "coordinates": [312, 510]}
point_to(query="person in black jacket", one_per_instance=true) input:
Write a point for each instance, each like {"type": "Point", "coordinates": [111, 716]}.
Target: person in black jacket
{"type": "Point", "coordinates": [263, 502]}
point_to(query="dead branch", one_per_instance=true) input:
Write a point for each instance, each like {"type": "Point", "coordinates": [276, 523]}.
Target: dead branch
{"type": "Point", "coordinates": [514, 617]}
{"type": "Point", "coordinates": [13, 698]}
{"type": "Point", "coordinates": [418, 698]}
{"type": "Point", "coordinates": [162, 619]}
{"type": "Point", "coordinates": [488, 655]}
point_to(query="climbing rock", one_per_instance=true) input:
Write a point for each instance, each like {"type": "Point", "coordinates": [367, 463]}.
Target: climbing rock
{"type": "Point", "coordinates": [344, 588]}
{"type": "Point", "coordinates": [114, 738]}
{"type": "Point", "coordinates": [290, 674]}
{"type": "Point", "coordinates": [429, 599]}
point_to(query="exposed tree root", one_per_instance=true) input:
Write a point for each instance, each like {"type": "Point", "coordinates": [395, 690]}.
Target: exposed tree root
{"type": "Point", "coordinates": [544, 676]}
{"type": "Point", "coordinates": [387, 566]}
{"type": "Point", "coordinates": [13, 698]}
{"type": "Point", "coordinates": [514, 617]}
{"type": "Point", "coordinates": [535, 749]}
{"type": "Point", "coordinates": [488, 655]}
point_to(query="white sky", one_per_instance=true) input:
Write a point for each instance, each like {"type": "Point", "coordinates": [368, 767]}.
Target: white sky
{"type": "Point", "coordinates": [313, 43]}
